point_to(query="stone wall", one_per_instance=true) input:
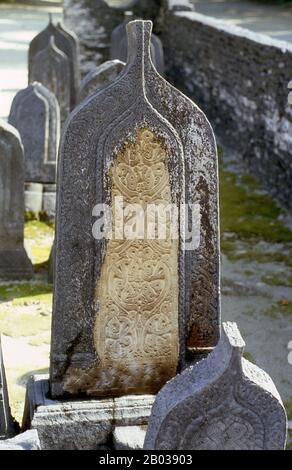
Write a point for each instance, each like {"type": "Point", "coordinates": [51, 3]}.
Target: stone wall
{"type": "Point", "coordinates": [240, 80]}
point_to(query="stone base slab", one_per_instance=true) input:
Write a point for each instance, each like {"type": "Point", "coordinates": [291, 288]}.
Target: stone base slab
{"type": "Point", "coordinates": [80, 424]}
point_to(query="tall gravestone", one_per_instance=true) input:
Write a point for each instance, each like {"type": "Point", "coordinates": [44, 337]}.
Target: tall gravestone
{"type": "Point", "coordinates": [7, 424]}
{"type": "Point", "coordinates": [35, 114]}
{"type": "Point", "coordinates": [67, 42]}
{"type": "Point", "coordinates": [119, 45]}
{"type": "Point", "coordinates": [50, 66]}
{"type": "Point", "coordinates": [223, 402]}
{"type": "Point", "coordinates": [14, 262]}
{"type": "Point", "coordinates": [126, 312]}
{"type": "Point", "coordinates": [100, 77]}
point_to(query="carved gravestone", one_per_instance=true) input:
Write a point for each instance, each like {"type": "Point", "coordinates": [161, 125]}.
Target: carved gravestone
{"type": "Point", "coordinates": [127, 311]}
{"type": "Point", "coordinates": [100, 77]}
{"type": "Point", "coordinates": [119, 46]}
{"type": "Point", "coordinates": [67, 42]}
{"type": "Point", "coordinates": [35, 114]}
{"type": "Point", "coordinates": [50, 66]}
{"type": "Point", "coordinates": [223, 402]}
{"type": "Point", "coordinates": [14, 262]}
{"type": "Point", "coordinates": [7, 425]}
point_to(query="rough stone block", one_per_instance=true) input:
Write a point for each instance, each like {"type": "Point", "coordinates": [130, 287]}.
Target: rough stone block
{"type": "Point", "coordinates": [80, 424]}
{"type": "Point", "coordinates": [25, 441]}
{"type": "Point", "coordinates": [223, 402]}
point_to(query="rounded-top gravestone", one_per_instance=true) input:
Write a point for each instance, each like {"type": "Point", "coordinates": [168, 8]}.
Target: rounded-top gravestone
{"type": "Point", "coordinates": [100, 77]}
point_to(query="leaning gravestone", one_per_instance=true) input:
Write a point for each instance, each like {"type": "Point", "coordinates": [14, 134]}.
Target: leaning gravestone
{"type": "Point", "coordinates": [223, 402]}
{"type": "Point", "coordinates": [36, 115]}
{"type": "Point", "coordinates": [14, 262]}
{"type": "Point", "coordinates": [125, 313]}
{"type": "Point", "coordinates": [119, 46]}
{"type": "Point", "coordinates": [7, 424]}
{"type": "Point", "coordinates": [100, 77]}
{"type": "Point", "coordinates": [50, 66]}
{"type": "Point", "coordinates": [67, 42]}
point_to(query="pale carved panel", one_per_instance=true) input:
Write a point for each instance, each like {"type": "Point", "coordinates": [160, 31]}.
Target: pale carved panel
{"type": "Point", "coordinates": [136, 327]}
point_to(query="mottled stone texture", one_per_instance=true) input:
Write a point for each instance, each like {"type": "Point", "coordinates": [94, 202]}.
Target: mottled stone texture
{"type": "Point", "coordinates": [67, 42]}
{"type": "Point", "coordinates": [119, 46]}
{"type": "Point", "coordinates": [223, 402]}
{"type": "Point", "coordinates": [93, 22]}
{"type": "Point", "coordinates": [94, 135]}
{"type": "Point", "coordinates": [7, 424]}
{"type": "Point", "coordinates": [14, 262]}
{"type": "Point", "coordinates": [35, 114]}
{"type": "Point", "coordinates": [28, 440]}
{"type": "Point", "coordinates": [80, 424]}
{"type": "Point", "coordinates": [240, 80]}
{"type": "Point", "coordinates": [51, 67]}
{"type": "Point", "coordinates": [100, 77]}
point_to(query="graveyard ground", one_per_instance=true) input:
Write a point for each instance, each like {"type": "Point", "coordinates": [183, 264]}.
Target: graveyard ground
{"type": "Point", "coordinates": [256, 246]}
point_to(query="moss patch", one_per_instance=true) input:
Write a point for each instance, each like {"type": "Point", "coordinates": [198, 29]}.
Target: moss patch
{"type": "Point", "coordinates": [282, 308]}
{"type": "Point", "coordinates": [24, 291]}
{"type": "Point", "coordinates": [248, 214]}
{"type": "Point", "coordinates": [277, 279]}
{"type": "Point", "coordinates": [39, 237]}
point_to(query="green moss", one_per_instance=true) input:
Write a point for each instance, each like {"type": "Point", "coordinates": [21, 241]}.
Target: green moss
{"type": "Point", "coordinates": [288, 408]}
{"type": "Point", "coordinates": [35, 229]}
{"type": "Point", "coordinates": [24, 291]}
{"type": "Point", "coordinates": [277, 279]}
{"type": "Point", "coordinates": [249, 357]}
{"type": "Point", "coordinates": [289, 440]}
{"type": "Point", "coordinates": [282, 308]}
{"type": "Point", "coordinates": [248, 214]}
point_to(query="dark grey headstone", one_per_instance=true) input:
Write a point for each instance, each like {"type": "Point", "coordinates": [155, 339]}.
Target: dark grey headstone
{"type": "Point", "coordinates": [51, 67]}
{"type": "Point", "coordinates": [14, 262]}
{"type": "Point", "coordinates": [35, 114]}
{"type": "Point", "coordinates": [138, 107]}
{"type": "Point", "coordinates": [7, 424]}
{"type": "Point", "coordinates": [223, 402]}
{"type": "Point", "coordinates": [100, 77]}
{"type": "Point", "coordinates": [67, 42]}
{"type": "Point", "coordinates": [119, 46]}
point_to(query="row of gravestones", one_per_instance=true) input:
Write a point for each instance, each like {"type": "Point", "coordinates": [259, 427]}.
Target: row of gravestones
{"type": "Point", "coordinates": [38, 112]}
{"type": "Point", "coordinates": [130, 315]}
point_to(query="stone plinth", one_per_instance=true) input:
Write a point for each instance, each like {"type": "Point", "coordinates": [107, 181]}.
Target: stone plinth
{"type": "Point", "coordinates": [80, 424]}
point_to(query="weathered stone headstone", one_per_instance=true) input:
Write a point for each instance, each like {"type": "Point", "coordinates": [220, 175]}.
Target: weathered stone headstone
{"type": "Point", "coordinates": [100, 77]}
{"type": "Point", "coordinates": [126, 311]}
{"type": "Point", "coordinates": [7, 424]}
{"type": "Point", "coordinates": [14, 262]}
{"type": "Point", "coordinates": [50, 66]}
{"type": "Point", "coordinates": [67, 42]}
{"type": "Point", "coordinates": [119, 46]}
{"type": "Point", "coordinates": [223, 402]}
{"type": "Point", "coordinates": [35, 114]}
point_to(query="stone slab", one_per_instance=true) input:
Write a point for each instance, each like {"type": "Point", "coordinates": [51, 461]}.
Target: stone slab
{"type": "Point", "coordinates": [27, 440]}
{"type": "Point", "coordinates": [129, 437]}
{"type": "Point", "coordinates": [80, 424]}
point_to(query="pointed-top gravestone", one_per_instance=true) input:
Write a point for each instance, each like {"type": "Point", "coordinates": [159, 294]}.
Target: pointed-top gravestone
{"type": "Point", "coordinates": [223, 402]}
{"type": "Point", "coordinates": [68, 43]}
{"type": "Point", "coordinates": [100, 77]}
{"type": "Point", "coordinates": [14, 262]}
{"type": "Point", "coordinates": [35, 114]}
{"type": "Point", "coordinates": [126, 310]}
{"type": "Point", "coordinates": [119, 45]}
{"type": "Point", "coordinates": [50, 66]}
{"type": "Point", "coordinates": [8, 427]}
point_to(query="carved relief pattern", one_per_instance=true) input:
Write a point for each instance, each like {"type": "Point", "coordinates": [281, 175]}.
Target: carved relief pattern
{"type": "Point", "coordinates": [137, 292]}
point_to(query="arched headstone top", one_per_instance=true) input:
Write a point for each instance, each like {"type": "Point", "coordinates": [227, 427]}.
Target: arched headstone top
{"type": "Point", "coordinates": [99, 77]}
{"type": "Point", "coordinates": [143, 128]}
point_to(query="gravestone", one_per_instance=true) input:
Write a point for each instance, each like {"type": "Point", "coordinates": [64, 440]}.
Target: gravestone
{"type": "Point", "coordinates": [119, 45]}
{"type": "Point", "coordinates": [14, 262]}
{"type": "Point", "coordinates": [36, 115]}
{"type": "Point", "coordinates": [7, 424]}
{"type": "Point", "coordinates": [223, 402]}
{"type": "Point", "coordinates": [50, 66]}
{"type": "Point", "coordinates": [127, 312]}
{"type": "Point", "coordinates": [100, 77]}
{"type": "Point", "coordinates": [67, 42]}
